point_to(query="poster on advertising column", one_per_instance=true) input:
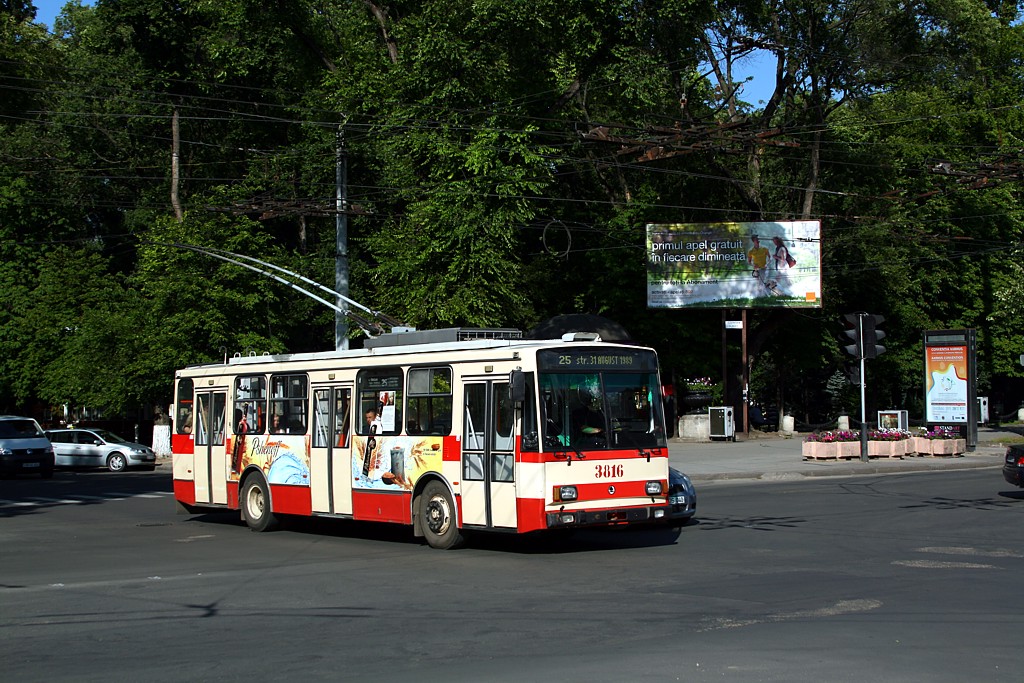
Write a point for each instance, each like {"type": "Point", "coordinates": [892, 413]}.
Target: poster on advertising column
{"type": "Point", "coordinates": [946, 390]}
{"type": "Point", "coordinates": [734, 265]}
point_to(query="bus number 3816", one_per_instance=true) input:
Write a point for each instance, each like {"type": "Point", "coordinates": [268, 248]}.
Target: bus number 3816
{"type": "Point", "coordinates": [608, 471]}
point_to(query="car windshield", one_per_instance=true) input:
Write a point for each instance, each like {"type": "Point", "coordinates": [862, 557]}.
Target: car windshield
{"type": "Point", "coordinates": [109, 437]}
{"type": "Point", "coordinates": [19, 429]}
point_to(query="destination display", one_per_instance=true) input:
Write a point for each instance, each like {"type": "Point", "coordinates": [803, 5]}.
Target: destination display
{"type": "Point", "coordinates": [603, 359]}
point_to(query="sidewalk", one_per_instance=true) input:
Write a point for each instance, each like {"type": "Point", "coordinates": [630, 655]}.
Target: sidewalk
{"type": "Point", "coordinates": [774, 457]}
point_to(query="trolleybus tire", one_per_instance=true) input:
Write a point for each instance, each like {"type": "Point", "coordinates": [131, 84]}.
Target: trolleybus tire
{"type": "Point", "coordinates": [116, 462]}
{"type": "Point", "coordinates": [255, 504]}
{"type": "Point", "coordinates": [438, 520]}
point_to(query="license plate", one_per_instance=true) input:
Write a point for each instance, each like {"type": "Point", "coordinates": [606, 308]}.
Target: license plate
{"type": "Point", "coordinates": [30, 464]}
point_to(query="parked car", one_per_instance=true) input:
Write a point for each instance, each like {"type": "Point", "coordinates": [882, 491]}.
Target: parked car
{"type": "Point", "coordinates": [682, 497]}
{"type": "Point", "coordinates": [1013, 467]}
{"type": "Point", "coordinates": [98, 448]}
{"type": "Point", "coordinates": [24, 447]}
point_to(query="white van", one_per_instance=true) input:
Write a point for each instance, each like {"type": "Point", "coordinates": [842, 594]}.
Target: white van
{"type": "Point", "coordinates": [24, 447]}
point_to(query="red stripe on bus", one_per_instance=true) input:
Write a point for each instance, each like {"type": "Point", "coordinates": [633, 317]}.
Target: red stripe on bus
{"type": "Point", "coordinates": [590, 456]}
{"type": "Point", "coordinates": [291, 500]}
{"type": "Point", "coordinates": [451, 449]}
{"type": "Point", "coordinates": [233, 494]}
{"type": "Point", "coordinates": [185, 491]}
{"type": "Point", "coordinates": [530, 514]}
{"type": "Point", "coordinates": [382, 506]}
{"type": "Point", "coordinates": [623, 489]}
{"type": "Point", "coordinates": [182, 444]}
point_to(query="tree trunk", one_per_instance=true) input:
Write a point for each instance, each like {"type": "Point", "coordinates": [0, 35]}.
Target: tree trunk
{"type": "Point", "coordinates": [175, 170]}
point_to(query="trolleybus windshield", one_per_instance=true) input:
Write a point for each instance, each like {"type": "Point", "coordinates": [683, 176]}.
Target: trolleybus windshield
{"type": "Point", "coordinates": [609, 400]}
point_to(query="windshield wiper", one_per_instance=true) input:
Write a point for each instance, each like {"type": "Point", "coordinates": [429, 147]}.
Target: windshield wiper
{"type": "Point", "coordinates": [564, 452]}
{"type": "Point", "coordinates": [641, 451]}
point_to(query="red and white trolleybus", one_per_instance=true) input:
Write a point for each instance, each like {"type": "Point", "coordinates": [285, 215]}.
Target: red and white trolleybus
{"type": "Point", "coordinates": [445, 430]}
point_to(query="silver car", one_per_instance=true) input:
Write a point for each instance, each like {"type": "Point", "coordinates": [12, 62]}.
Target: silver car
{"type": "Point", "coordinates": [98, 448]}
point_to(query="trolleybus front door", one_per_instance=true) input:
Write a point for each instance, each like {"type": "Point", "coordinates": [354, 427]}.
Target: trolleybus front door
{"type": "Point", "coordinates": [211, 461]}
{"type": "Point", "coordinates": [488, 456]}
{"type": "Point", "coordinates": [330, 464]}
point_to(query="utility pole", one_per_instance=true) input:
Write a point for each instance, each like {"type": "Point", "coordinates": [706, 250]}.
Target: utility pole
{"type": "Point", "coordinates": [341, 244]}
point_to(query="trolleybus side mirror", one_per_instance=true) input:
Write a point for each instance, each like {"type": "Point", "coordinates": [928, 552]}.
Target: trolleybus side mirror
{"type": "Point", "coordinates": [517, 386]}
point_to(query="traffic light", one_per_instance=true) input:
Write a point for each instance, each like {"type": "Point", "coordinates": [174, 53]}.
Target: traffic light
{"type": "Point", "coordinates": [871, 335]}
{"type": "Point", "coordinates": [853, 333]}
{"type": "Point", "coordinates": [853, 375]}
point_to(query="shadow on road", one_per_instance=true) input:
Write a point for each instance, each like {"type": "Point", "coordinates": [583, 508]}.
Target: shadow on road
{"type": "Point", "coordinates": [554, 542]}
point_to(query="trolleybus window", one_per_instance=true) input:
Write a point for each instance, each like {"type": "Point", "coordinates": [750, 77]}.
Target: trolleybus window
{"type": "Point", "coordinates": [250, 405]}
{"type": "Point", "coordinates": [288, 404]}
{"type": "Point", "coordinates": [503, 437]}
{"type": "Point", "coordinates": [429, 402]}
{"type": "Point", "coordinates": [323, 434]}
{"type": "Point", "coordinates": [183, 411]}
{"type": "Point", "coordinates": [380, 392]}
{"type": "Point", "coordinates": [530, 441]}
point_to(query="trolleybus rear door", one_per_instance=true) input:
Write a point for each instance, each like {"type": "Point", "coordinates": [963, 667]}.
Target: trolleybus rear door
{"type": "Point", "coordinates": [488, 456]}
{"type": "Point", "coordinates": [330, 464]}
{"type": "Point", "coordinates": [211, 461]}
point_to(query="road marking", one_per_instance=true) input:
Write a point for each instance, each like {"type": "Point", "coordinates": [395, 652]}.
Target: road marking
{"type": "Point", "coordinates": [840, 608]}
{"type": "Point", "coordinates": [81, 499]}
{"type": "Point", "coordinates": [189, 539]}
{"type": "Point", "coordinates": [936, 564]}
{"type": "Point", "coordinates": [956, 550]}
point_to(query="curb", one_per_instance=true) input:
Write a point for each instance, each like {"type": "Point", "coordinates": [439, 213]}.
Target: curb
{"type": "Point", "coordinates": [845, 470]}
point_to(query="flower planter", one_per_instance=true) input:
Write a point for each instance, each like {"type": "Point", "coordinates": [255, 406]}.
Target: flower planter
{"type": "Point", "coordinates": [948, 446]}
{"type": "Point", "coordinates": [849, 449]}
{"type": "Point", "coordinates": [887, 449]}
{"type": "Point", "coordinates": [920, 445]}
{"type": "Point", "coordinates": [818, 450]}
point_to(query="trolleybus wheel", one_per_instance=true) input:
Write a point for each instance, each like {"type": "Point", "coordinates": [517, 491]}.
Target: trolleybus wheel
{"type": "Point", "coordinates": [256, 505]}
{"type": "Point", "coordinates": [438, 522]}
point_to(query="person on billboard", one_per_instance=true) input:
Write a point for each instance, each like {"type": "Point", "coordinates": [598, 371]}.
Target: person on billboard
{"type": "Point", "coordinates": [782, 263]}
{"type": "Point", "coordinates": [757, 258]}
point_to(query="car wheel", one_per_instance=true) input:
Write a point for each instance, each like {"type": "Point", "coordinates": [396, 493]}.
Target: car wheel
{"type": "Point", "coordinates": [116, 462]}
{"type": "Point", "coordinates": [437, 521]}
{"type": "Point", "coordinates": [256, 505]}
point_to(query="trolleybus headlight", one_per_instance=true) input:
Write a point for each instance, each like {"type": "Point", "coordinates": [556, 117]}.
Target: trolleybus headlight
{"type": "Point", "coordinates": [565, 493]}
{"type": "Point", "coordinates": [654, 488]}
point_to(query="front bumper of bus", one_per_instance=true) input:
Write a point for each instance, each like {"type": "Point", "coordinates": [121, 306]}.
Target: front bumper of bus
{"type": "Point", "coordinates": [638, 515]}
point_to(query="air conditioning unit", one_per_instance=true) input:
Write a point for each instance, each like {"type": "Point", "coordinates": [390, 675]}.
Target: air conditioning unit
{"type": "Point", "coordinates": [723, 422]}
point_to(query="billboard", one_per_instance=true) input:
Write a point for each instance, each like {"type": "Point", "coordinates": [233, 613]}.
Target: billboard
{"type": "Point", "coordinates": [946, 384]}
{"type": "Point", "coordinates": [734, 265]}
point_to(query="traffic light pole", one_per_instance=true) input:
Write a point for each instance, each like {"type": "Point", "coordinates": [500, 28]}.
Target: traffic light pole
{"type": "Point", "coordinates": [863, 401]}
{"type": "Point", "coordinates": [865, 337]}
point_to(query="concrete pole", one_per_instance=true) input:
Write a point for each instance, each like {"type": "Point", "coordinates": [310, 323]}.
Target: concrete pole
{"type": "Point", "coordinates": [341, 244]}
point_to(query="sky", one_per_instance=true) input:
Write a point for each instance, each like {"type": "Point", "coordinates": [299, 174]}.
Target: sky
{"type": "Point", "coordinates": [47, 10]}
{"type": "Point", "coordinates": [761, 68]}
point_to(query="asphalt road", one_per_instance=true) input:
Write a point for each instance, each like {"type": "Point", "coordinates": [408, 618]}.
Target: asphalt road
{"type": "Point", "coordinates": [905, 577]}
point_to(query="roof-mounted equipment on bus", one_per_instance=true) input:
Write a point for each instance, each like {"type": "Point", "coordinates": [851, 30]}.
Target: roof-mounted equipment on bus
{"type": "Point", "coordinates": [447, 335]}
{"type": "Point", "coordinates": [581, 336]}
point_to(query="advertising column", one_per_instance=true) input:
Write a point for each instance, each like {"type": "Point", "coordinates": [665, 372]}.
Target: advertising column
{"type": "Point", "coordinates": [950, 390]}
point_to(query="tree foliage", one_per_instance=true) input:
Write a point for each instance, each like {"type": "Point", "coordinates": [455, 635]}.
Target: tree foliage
{"type": "Point", "coordinates": [476, 192]}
